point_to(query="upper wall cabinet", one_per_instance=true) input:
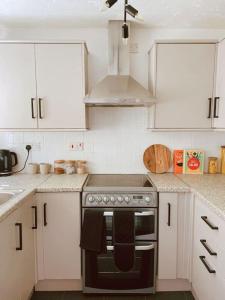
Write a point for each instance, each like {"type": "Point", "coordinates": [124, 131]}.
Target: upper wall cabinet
{"type": "Point", "coordinates": [42, 86]}
{"type": "Point", "coordinates": [219, 97]}
{"type": "Point", "coordinates": [17, 86]}
{"type": "Point", "coordinates": [182, 79]}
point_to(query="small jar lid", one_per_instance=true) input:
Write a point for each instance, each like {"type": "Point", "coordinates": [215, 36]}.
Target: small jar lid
{"type": "Point", "coordinates": [212, 158]}
{"type": "Point", "coordinates": [60, 161]}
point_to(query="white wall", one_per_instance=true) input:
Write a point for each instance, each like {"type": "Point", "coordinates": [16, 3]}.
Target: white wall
{"type": "Point", "coordinates": [118, 136]}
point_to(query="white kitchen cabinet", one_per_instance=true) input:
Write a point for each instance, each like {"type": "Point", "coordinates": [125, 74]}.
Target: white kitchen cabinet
{"type": "Point", "coordinates": [42, 86]}
{"type": "Point", "coordinates": [58, 236]}
{"type": "Point", "coordinates": [60, 74]}
{"type": "Point", "coordinates": [167, 266]}
{"type": "Point", "coordinates": [182, 79]}
{"type": "Point", "coordinates": [219, 106]}
{"type": "Point", "coordinates": [17, 265]}
{"type": "Point", "coordinates": [175, 238]}
{"type": "Point", "coordinates": [208, 237]}
{"type": "Point", "coordinates": [17, 86]}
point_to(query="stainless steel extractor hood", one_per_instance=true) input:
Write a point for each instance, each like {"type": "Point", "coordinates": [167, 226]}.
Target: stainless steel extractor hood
{"type": "Point", "coordinates": [118, 88]}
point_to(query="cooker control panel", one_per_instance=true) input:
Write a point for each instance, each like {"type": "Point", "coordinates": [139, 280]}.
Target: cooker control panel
{"type": "Point", "coordinates": [121, 200]}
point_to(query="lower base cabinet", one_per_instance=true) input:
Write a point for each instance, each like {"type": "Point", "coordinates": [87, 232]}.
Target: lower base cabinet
{"type": "Point", "coordinates": [208, 272]}
{"type": "Point", "coordinates": [175, 236]}
{"type": "Point", "coordinates": [58, 236]}
{"type": "Point", "coordinates": [17, 259]}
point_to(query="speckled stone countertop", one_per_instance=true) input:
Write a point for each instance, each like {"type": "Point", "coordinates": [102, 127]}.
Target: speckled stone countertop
{"type": "Point", "coordinates": [210, 188]}
{"type": "Point", "coordinates": [168, 182]}
{"type": "Point", "coordinates": [37, 183]}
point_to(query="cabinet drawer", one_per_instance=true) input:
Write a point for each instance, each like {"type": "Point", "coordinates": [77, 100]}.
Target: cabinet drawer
{"type": "Point", "coordinates": [207, 285]}
{"type": "Point", "coordinates": [208, 226]}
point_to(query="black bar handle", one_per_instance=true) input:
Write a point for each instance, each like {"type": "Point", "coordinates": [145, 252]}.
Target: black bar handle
{"type": "Point", "coordinates": [205, 219]}
{"type": "Point", "coordinates": [45, 214]}
{"type": "Point", "coordinates": [20, 236]}
{"type": "Point", "coordinates": [210, 108]}
{"type": "Point", "coordinates": [211, 271]}
{"type": "Point", "coordinates": [215, 108]}
{"type": "Point", "coordinates": [169, 215]}
{"type": "Point", "coordinates": [32, 108]}
{"type": "Point", "coordinates": [35, 217]}
{"type": "Point", "coordinates": [203, 242]}
{"type": "Point", "coordinates": [39, 103]}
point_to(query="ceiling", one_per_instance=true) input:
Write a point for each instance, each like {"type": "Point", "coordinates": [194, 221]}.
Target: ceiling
{"type": "Point", "coordinates": [87, 13]}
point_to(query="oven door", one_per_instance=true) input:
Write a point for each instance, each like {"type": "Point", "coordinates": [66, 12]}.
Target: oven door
{"type": "Point", "coordinates": [145, 223]}
{"type": "Point", "coordinates": [102, 276]}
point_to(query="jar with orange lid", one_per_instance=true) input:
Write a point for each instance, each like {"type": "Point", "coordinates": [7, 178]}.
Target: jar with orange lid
{"type": "Point", "coordinates": [59, 166]}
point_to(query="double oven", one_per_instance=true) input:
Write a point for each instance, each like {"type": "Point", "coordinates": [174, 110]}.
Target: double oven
{"type": "Point", "coordinates": [100, 274]}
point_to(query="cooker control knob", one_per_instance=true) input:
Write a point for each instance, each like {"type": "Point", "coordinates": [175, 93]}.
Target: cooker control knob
{"type": "Point", "coordinates": [112, 199]}
{"type": "Point", "coordinates": [127, 199]}
{"type": "Point", "coordinates": [99, 199]}
{"type": "Point", "coordinates": [147, 199]}
{"type": "Point", "coordinates": [91, 199]}
{"type": "Point", "coordinates": [105, 199]}
{"type": "Point", "coordinates": [120, 199]}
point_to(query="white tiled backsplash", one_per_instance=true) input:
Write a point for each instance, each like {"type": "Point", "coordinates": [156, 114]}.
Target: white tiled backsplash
{"type": "Point", "coordinates": [115, 143]}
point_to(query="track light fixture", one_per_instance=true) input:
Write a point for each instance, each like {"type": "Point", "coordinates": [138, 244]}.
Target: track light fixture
{"type": "Point", "coordinates": [128, 9]}
{"type": "Point", "coordinates": [125, 33]}
{"type": "Point", "coordinates": [133, 12]}
{"type": "Point", "coordinates": [110, 3]}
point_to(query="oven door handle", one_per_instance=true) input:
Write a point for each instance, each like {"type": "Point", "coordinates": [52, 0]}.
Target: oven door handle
{"type": "Point", "coordinates": [137, 214]}
{"type": "Point", "coordinates": [137, 248]}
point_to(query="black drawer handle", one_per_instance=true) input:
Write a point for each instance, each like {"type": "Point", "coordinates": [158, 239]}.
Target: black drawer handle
{"type": "Point", "coordinates": [203, 242]}
{"type": "Point", "coordinates": [215, 108]}
{"type": "Point", "coordinates": [35, 217]}
{"type": "Point", "coordinates": [210, 108]}
{"type": "Point", "coordinates": [206, 265]}
{"type": "Point", "coordinates": [169, 215]}
{"type": "Point", "coordinates": [45, 214]}
{"type": "Point", "coordinates": [40, 108]}
{"type": "Point", "coordinates": [205, 219]}
{"type": "Point", "coordinates": [32, 108]}
{"type": "Point", "coordinates": [20, 237]}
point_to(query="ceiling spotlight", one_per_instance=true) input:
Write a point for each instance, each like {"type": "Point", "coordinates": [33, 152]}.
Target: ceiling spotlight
{"type": "Point", "coordinates": [110, 3]}
{"type": "Point", "coordinates": [125, 33]}
{"type": "Point", "coordinates": [133, 12]}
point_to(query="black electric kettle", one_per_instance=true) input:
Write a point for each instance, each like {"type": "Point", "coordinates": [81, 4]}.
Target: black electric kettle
{"type": "Point", "coordinates": [8, 160]}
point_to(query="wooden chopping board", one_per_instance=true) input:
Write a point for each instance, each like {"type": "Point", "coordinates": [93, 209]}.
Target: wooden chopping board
{"type": "Point", "coordinates": [157, 158]}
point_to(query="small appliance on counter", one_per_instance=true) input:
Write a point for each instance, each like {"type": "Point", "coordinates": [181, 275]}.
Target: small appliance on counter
{"type": "Point", "coordinates": [8, 160]}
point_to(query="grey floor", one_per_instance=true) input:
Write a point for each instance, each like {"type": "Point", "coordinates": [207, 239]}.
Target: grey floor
{"type": "Point", "coordinates": [80, 296]}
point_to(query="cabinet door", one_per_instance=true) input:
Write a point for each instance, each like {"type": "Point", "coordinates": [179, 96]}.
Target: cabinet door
{"type": "Point", "coordinates": [60, 85]}
{"type": "Point", "coordinates": [220, 87]}
{"type": "Point", "coordinates": [27, 259]}
{"type": "Point", "coordinates": [17, 86]}
{"type": "Point", "coordinates": [9, 259]}
{"type": "Point", "coordinates": [185, 80]}
{"type": "Point", "coordinates": [59, 236]}
{"type": "Point", "coordinates": [167, 266]}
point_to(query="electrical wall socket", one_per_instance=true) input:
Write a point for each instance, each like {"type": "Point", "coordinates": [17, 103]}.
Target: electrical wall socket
{"type": "Point", "coordinates": [76, 146]}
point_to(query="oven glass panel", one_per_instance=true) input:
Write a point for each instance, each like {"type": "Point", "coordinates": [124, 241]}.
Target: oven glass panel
{"type": "Point", "coordinates": [101, 272]}
{"type": "Point", "coordinates": [144, 226]}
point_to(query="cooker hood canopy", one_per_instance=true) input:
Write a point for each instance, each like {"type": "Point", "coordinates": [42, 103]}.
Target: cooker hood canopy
{"type": "Point", "coordinates": [118, 88]}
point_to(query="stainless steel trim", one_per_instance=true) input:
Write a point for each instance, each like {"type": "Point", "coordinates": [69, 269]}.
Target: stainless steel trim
{"type": "Point", "coordinates": [137, 248]}
{"type": "Point", "coordinates": [137, 214]}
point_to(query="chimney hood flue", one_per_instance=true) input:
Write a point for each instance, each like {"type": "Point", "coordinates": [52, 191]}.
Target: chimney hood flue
{"type": "Point", "coordinates": [118, 88]}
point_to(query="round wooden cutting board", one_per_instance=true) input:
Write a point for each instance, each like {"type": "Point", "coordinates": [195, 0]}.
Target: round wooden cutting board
{"type": "Point", "coordinates": [157, 158]}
